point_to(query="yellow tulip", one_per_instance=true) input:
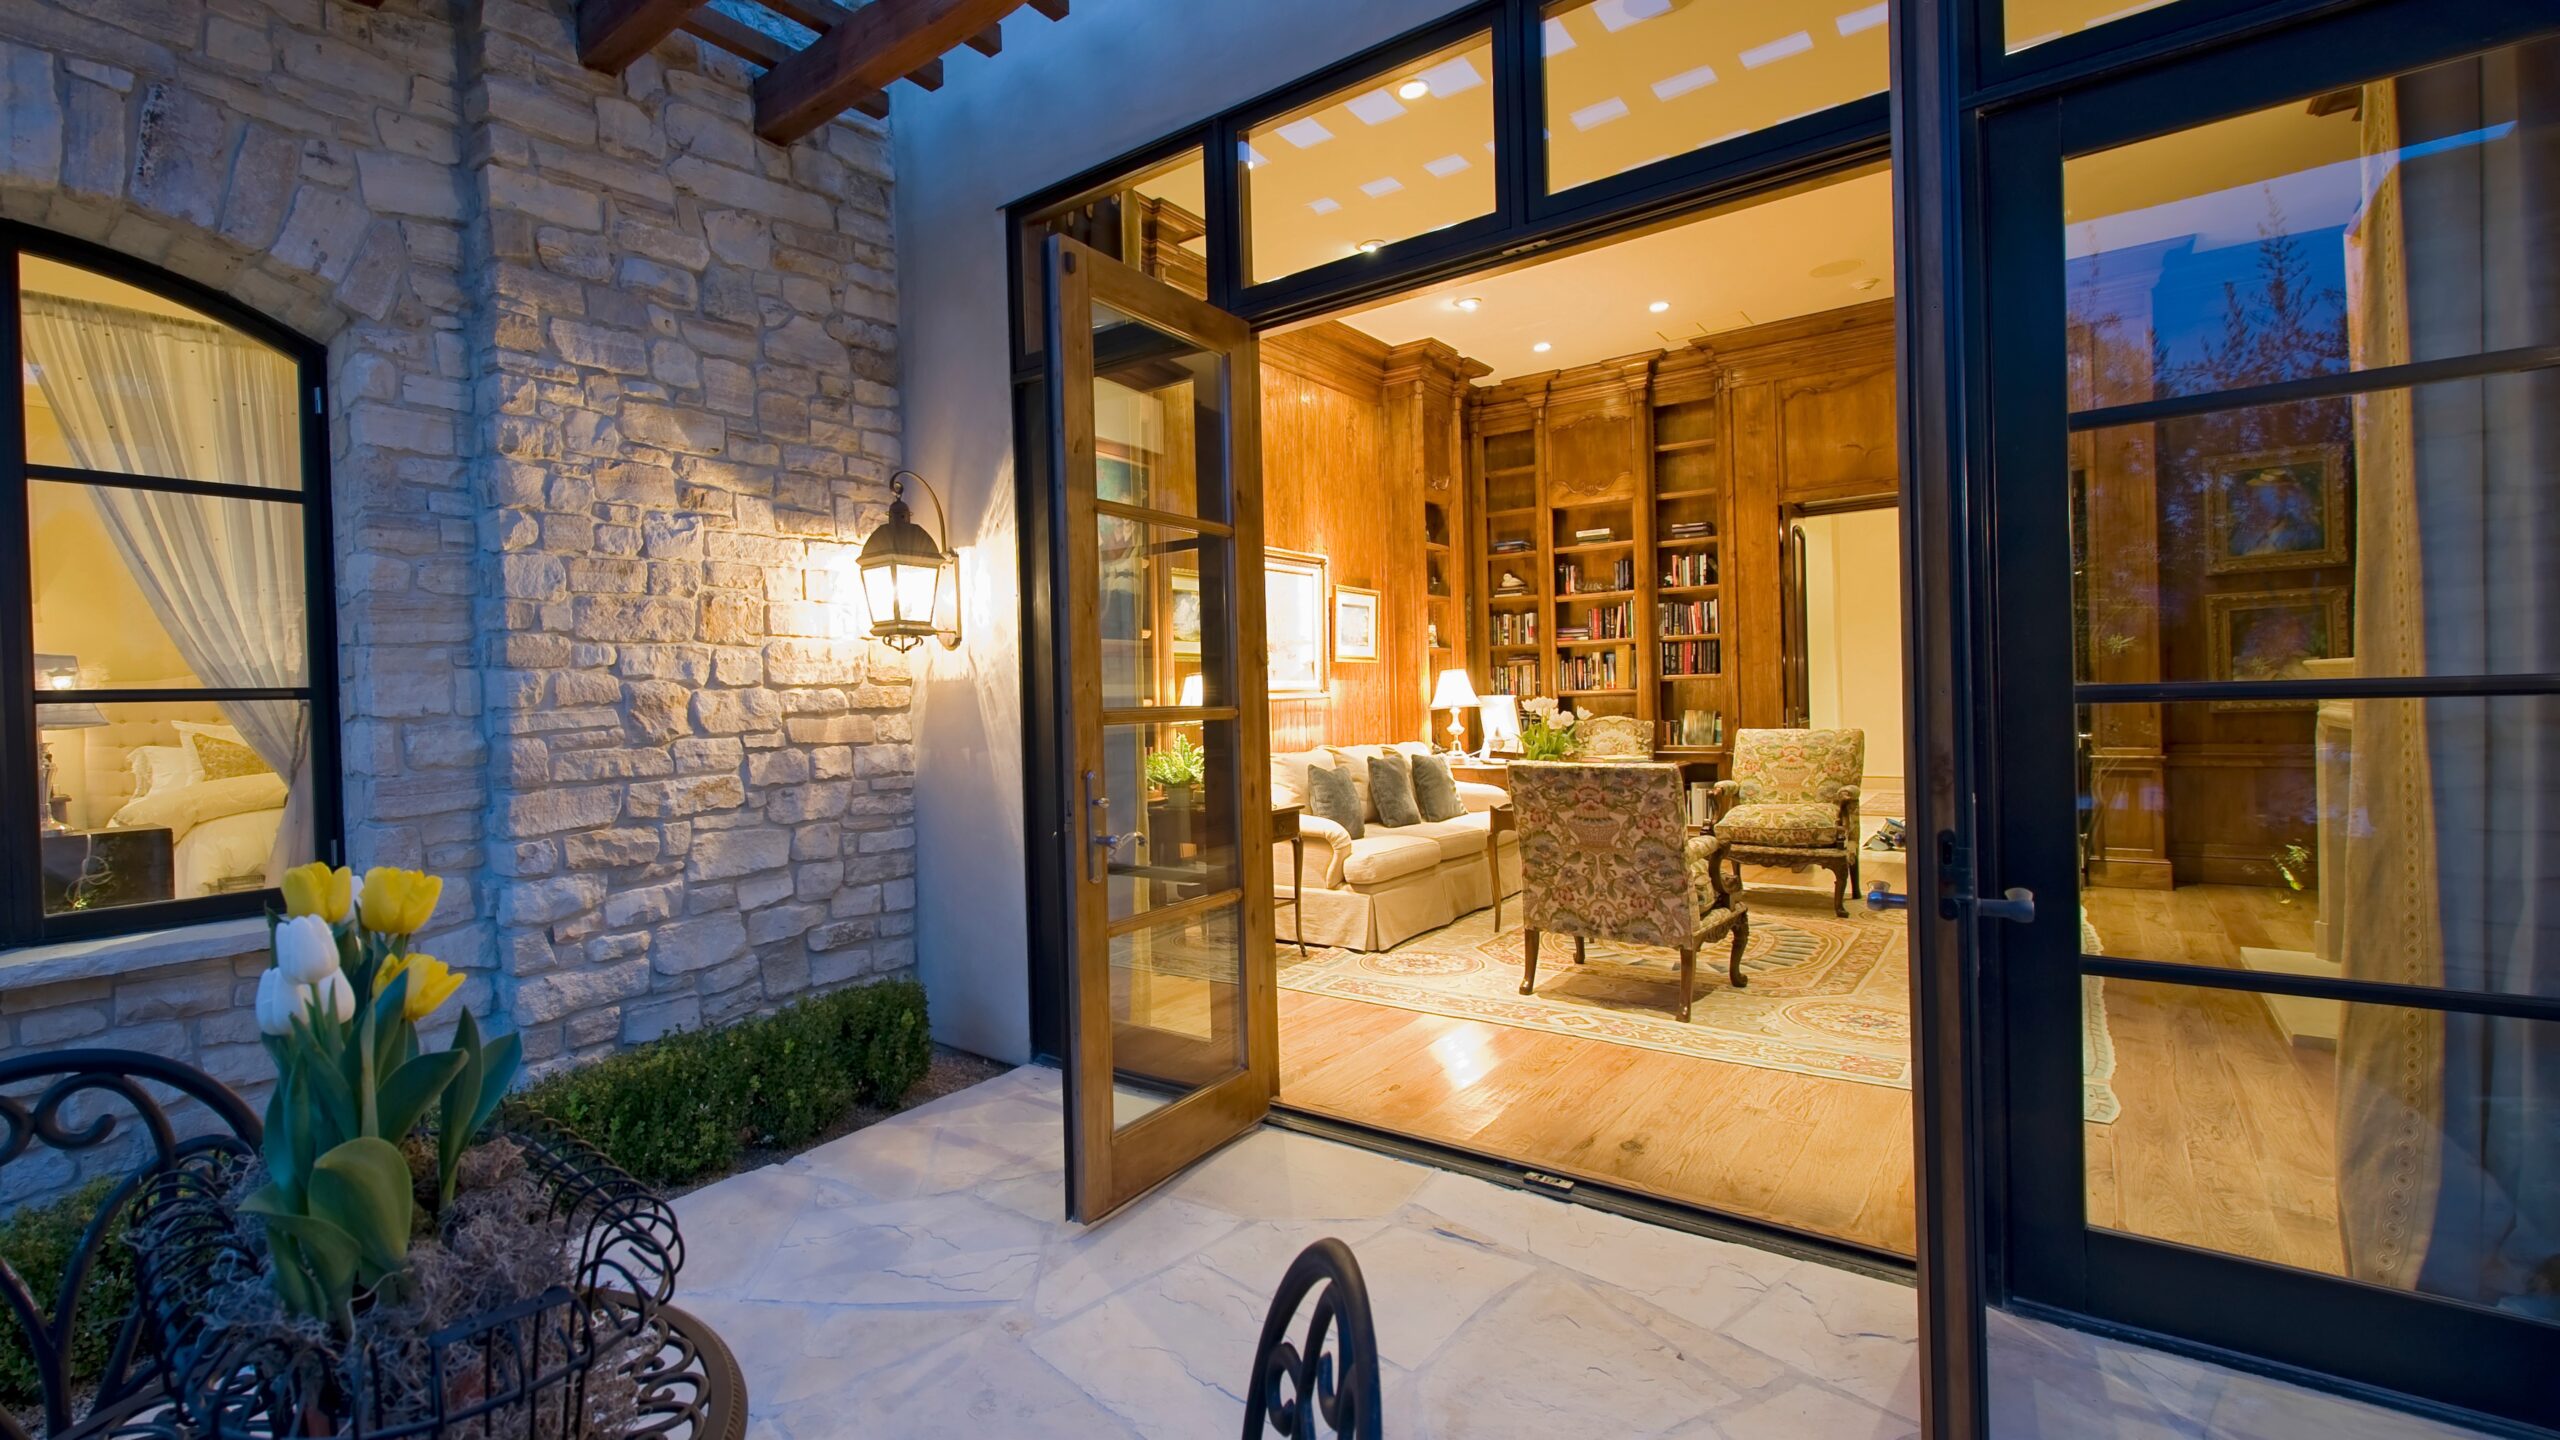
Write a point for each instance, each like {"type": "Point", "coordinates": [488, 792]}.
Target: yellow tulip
{"type": "Point", "coordinates": [316, 889]}
{"type": "Point", "coordinates": [398, 902]}
{"type": "Point", "coordinates": [431, 983]}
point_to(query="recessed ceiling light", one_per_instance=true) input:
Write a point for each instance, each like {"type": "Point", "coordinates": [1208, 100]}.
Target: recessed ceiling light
{"type": "Point", "coordinates": [1658, 306]}
{"type": "Point", "coordinates": [1470, 303]}
{"type": "Point", "coordinates": [1542, 347]}
{"type": "Point", "coordinates": [1413, 89]}
{"type": "Point", "coordinates": [1368, 247]}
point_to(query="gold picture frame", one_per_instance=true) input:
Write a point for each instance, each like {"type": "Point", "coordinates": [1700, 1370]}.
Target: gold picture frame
{"type": "Point", "coordinates": [1355, 624]}
{"type": "Point", "coordinates": [1297, 635]}
{"type": "Point", "coordinates": [2277, 509]}
{"type": "Point", "coordinates": [2267, 634]}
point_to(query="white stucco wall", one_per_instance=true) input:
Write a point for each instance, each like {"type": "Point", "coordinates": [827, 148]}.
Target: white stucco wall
{"type": "Point", "coordinates": [1059, 100]}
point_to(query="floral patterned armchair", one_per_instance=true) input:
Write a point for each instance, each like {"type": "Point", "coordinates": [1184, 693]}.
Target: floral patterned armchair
{"type": "Point", "coordinates": [1793, 802]}
{"type": "Point", "coordinates": [1604, 854]}
{"type": "Point", "coordinates": [1612, 737]}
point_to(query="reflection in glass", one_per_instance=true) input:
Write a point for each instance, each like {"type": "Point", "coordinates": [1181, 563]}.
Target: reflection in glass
{"type": "Point", "coordinates": [1388, 159]}
{"type": "Point", "coordinates": [2398, 1146]}
{"type": "Point", "coordinates": [122, 380]}
{"type": "Point", "coordinates": [1177, 1005]}
{"type": "Point", "coordinates": [2378, 224]}
{"type": "Point", "coordinates": [1630, 82]}
{"type": "Point", "coordinates": [145, 589]}
{"type": "Point", "coordinates": [171, 800]}
{"type": "Point", "coordinates": [1171, 790]}
{"type": "Point", "coordinates": [2041, 22]}
{"type": "Point", "coordinates": [1162, 613]}
{"type": "Point", "coordinates": [2391, 840]}
{"type": "Point", "coordinates": [1151, 221]}
{"type": "Point", "coordinates": [1158, 419]}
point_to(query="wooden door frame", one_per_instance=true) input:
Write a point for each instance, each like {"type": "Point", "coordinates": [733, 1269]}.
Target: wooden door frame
{"type": "Point", "coordinates": [1109, 1164]}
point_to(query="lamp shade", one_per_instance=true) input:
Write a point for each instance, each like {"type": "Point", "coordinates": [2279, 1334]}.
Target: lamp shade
{"type": "Point", "coordinates": [1454, 692]}
{"type": "Point", "coordinates": [1194, 692]}
{"type": "Point", "coordinates": [62, 672]}
{"type": "Point", "coordinates": [901, 575]}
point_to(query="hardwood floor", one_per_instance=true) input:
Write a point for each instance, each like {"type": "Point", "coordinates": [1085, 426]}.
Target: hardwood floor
{"type": "Point", "coordinates": [2225, 1137]}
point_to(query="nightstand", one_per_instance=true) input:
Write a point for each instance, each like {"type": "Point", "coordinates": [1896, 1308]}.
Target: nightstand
{"type": "Point", "coordinates": [126, 866]}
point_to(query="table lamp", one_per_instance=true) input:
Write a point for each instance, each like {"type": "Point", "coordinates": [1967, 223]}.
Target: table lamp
{"type": "Point", "coordinates": [1194, 692]}
{"type": "Point", "coordinates": [57, 672]}
{"type": "Point", "coordinates": [1456, 694]}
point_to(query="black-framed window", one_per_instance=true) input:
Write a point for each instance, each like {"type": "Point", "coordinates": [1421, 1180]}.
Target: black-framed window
{"type": "Point", "coordinates": [169, 745]}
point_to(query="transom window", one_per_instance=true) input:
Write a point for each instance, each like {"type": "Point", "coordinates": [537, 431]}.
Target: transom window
{"type": "Point", "coordinates": [166, 661]}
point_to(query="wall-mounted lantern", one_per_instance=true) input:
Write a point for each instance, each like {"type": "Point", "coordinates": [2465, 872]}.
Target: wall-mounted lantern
{"type": "Point", "coordinates": [909, 579]}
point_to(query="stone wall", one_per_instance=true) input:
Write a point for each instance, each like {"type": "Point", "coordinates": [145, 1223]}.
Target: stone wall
{"type": "Point", "coordinates": [612, 396]}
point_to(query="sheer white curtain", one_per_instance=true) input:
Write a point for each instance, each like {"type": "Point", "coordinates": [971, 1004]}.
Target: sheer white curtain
{"type": "Point", "coordinates": [157, 395]}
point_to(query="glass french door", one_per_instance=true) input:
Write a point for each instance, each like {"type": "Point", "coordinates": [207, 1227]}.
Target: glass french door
{"type": "Point", "coordinates": [2275, 521]}
{"type": "Point", "coordinates": [1173, 1036]}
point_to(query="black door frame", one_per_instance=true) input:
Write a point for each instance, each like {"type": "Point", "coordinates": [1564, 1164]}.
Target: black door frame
{"type": "Point", "coordinates": [2275, 1318]}
{"type": "Point", "coordinates": [1954, 78]}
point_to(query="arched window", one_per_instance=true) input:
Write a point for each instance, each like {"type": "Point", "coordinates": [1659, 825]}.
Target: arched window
{"type": "Point", "coordinates": [169, 740]}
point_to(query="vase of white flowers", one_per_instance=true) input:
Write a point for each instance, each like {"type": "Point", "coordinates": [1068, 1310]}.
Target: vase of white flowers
{"type": "Point", "coordinates": [390, 1261]}
{"type": "Point", "coordinates": [1546, 731]}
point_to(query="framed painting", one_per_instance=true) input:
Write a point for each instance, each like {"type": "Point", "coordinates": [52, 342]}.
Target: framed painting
{"type": "Point", "coordinates": [1186, 613]}
{"type": "Point", "coordinates": [2268, 635]}
{"type": "Point", "coordinates": [1293, 594]}
{"type": "Point", "coordinates": [1355, 623]}
{"type": "Point", "coordinates": [2277, 509]}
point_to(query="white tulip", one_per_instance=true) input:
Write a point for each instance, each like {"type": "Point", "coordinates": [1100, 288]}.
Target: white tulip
{"type": "Point", "coordinates": [279, 1000]}
{"type": "Point", "coordinates": [306, 950]}
{"type": "Point", "coordinates": [339, 995]}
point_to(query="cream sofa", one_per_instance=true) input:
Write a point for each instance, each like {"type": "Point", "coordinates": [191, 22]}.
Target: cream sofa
{"type": "Point", "coordinates": [1392, 883]}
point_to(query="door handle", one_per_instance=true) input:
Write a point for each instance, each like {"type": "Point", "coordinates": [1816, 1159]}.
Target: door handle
{"type": "Point", "coordinates": [1879, 898]}
{"type": "Point", "coordinates": [2017, 905]}
{"type": "Point", "coordinates": [1105, 845]}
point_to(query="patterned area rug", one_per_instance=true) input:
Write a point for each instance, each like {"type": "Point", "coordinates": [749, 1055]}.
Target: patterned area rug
{"type": "Point", "coordinates": [1827, 997]}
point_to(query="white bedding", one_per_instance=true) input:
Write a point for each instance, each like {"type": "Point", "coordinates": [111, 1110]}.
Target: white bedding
{"type": "Point", "coordinates": [222, 830]}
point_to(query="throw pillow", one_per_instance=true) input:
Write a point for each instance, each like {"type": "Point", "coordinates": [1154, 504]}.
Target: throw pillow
{"type": "Point", "coordinates": [220, 759]}
{"type": "Point", "coordinates": [1332, 796]}
{"type": "Point", "coordinates": [1391, 790]}
{"type": "Point", "coordinates": [1435, 790]}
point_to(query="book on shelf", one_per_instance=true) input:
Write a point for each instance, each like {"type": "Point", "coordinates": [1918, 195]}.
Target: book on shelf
{"type": "Point", "coordinates": [1571, 579]}
{"type": "Point", "coordinates": [1597, 671]}
{"type": "Point", "coordinates": [1697, 729]}
{"type": "Point", "coordinates": [1597, 535]}
{"type": "Point", "coordinates": [1516, 627]}
{"type": "Point", "coordinates": [1682, 658]}
{"type": "Point", "coordinates": [1690, 529]}
{"type": "Point", "coordinates": [1686, 619]}
{"type": "Point", "coordinates": [1515, 677]}
{"type": "Point", "coordinates": [1512, 547]}
{"type": "Point", "coordinates": [1695, 567]}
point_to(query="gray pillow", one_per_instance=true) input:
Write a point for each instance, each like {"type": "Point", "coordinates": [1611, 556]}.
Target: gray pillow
{"type": "Point", "coordinates": [1435, 790]}
{"type": "Point", "coordinates": [1332, 796]}
{"type": "Point", "coordinates": [1391, 790]}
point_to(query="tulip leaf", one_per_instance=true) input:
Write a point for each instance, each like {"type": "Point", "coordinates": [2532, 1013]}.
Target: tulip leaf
{"type": "Point", "coordinates": [461, 1102]}
{"type": "Point", "coordinates": [362, 1188]}
{"type": "Point", "coordinates": [334, 1102]}
{"type": "Point", "coordinates": [325, 1248]}
{"type": "Point", "coordinates": [411, 1089]}
{"type": "Point", "coordinates": [498, 1062]}
{"type": "Point", "coordinates": [388, 1000]}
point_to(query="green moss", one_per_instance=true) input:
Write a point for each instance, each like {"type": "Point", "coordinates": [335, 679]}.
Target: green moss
{"type": "Point", "coordinates": [38, 1242]}
{"type": "Point", "coordinates": [682, 1107]}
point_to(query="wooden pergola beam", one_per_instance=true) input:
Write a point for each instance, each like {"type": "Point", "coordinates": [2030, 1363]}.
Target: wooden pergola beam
{"type": "Point", "coordinates": [883, 41]}
{"type": "Point", "coordinates": [613, 33]}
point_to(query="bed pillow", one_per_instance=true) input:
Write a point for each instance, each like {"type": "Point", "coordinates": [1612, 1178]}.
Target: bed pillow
{"type": "Point", "coordinates": [1332, 796]}
{"type": "Point", "coordinates": [1435, 790]}
{"type": "Point", "coordinates": [1391, 790]}
{"type": "Point", "coordinates": [156, 768]}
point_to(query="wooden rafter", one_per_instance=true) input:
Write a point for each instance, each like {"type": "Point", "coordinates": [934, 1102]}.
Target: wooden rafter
{"type": "Point", "coordinates": [613, 33]}
{"type": "Point", "coordinates": [884, 41]}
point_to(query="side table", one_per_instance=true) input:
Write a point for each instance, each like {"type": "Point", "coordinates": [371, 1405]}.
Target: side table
{"type": "Point", "coordinates": [1284, 826]}
{"type": "Point", "coordinates": [129, 865]}
{"type": "Point", "coordinates": [1481, 772]}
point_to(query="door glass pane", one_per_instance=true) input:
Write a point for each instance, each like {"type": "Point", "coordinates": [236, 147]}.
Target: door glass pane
{"type": "Point", "coordinates": [2378, 224]}
{"type": "Point", "coordinates": [120, 379]}
{"type": "Point", "coordinates": [138, 589]}
{"type": "Point", "coordinates": [1164, 618]}
{"type": "Point", "coordinates": [1152, 220]}
{"type": "Point", "coordinates": [1177, 1008]}
{"type": "Point", "coordinates": [1402, 153]}
{"type": "Point", "coordinates": [2401, 1147]}
{"type": "Point", "coordinates": [170, 800]}
{"type": "Point", "coordinates": [2039, 22]}
{"type": "Point", "coordinates": [2397, 841]}
{"type": "Point", "coordinates": [1159, 418]}
{"type": "Point", "coordinates": [2394, 533]}
{"type": "Point", "coordinates": [1171, 789]}
{"type": "Point", "coordinates": [1630, 82]}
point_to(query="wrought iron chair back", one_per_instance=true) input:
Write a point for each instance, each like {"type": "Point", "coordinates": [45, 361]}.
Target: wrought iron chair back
{"type": "Point", "coordinates": [1332, 1375]}
{"type": "Point", "coordinates": [42, 1104]}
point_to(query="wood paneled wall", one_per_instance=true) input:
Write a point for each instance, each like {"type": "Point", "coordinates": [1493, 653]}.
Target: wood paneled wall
{"type": "Point", "coordinates": [1328, 490]}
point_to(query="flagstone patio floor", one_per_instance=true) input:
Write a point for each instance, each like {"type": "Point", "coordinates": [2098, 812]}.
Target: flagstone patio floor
{"type": "Point", "coordinates": [914, 1280]}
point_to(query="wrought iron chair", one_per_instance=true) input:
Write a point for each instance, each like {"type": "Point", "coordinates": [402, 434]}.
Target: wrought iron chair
{"type": "Point", "coordinates": [1332, 1376]}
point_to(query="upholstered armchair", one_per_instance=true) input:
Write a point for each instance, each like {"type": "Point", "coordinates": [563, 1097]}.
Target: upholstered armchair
{"type": "Point", "coordinates": [1612, 737]}
{"type": "Point", "coordinates": [1793, 802]}
{"type": "Point", "coordinates": [1605, 855]}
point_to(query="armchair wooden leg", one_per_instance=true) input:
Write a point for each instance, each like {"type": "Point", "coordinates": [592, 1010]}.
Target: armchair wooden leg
{"type": "Point", "coordinates": [1688, 981]}
{"type": "Point", "coordinates": [1577, 949]}
{"type": "Point", "coordinates": [1840, 889]}
{"type": "Point", "coordinates": [1741, 938]}
{"type": "Point", "coordinates": [1529, 965]}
